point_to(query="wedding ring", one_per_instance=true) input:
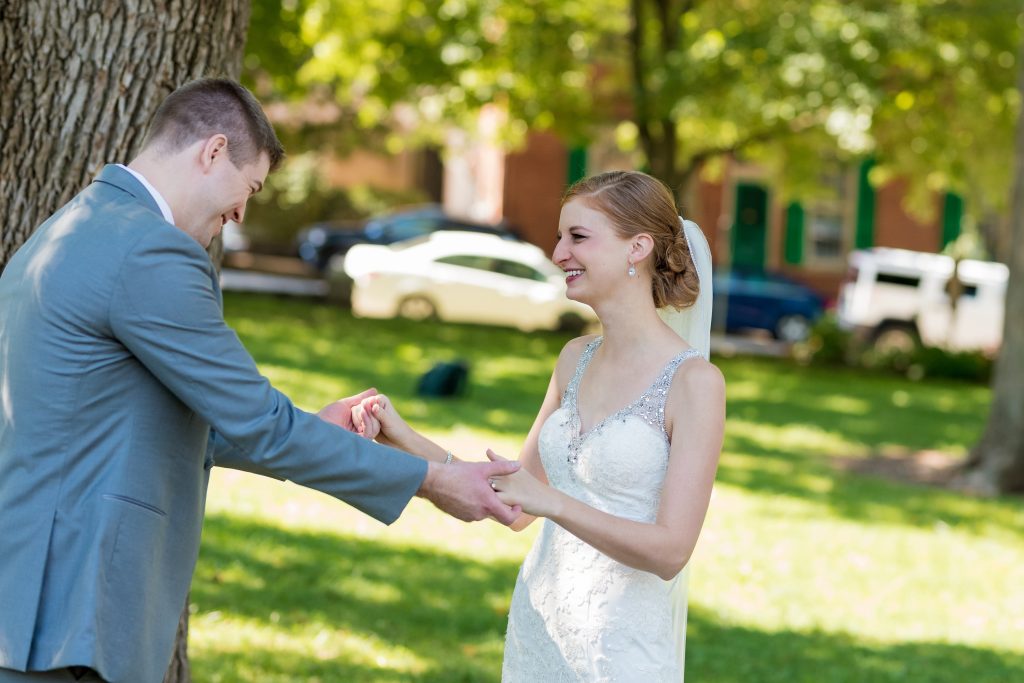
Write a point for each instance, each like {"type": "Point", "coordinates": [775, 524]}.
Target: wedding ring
{"type": "Point", "coordinates": [494, 484]}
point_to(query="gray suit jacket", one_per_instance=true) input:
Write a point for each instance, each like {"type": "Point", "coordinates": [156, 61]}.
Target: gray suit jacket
{"type": "Point", "coordinates": [120, 386]}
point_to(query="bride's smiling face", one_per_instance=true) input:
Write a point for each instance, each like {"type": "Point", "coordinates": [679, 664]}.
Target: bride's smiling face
{"type": "Point", "coordinates": [591, 251]}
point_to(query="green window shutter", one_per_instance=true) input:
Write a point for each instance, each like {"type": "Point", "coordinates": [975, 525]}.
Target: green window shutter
{"type": "Point", "coordinates": [577, 164]}
{"type": "Point", "coordinates": [952, 215]}
{"type": "Point", "coordinates": [794, 246]}
{"type": "Point", "coordinates": [865, 234]}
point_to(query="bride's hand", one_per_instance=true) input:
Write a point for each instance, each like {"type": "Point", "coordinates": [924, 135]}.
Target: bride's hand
{"type": "Point", "coordinates": [523, 489]}
{"type": "Point", "coordinates": [379, 413]}
{"type": "Point", "coordinates": [347, 414]}
{"type": "Point", "coordinates": [364, 423]}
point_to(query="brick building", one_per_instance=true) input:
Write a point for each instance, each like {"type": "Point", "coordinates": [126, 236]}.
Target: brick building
{"type": "Point", "coordinates": [746, 224]}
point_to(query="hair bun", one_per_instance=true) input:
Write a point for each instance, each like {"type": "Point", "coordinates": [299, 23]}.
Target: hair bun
{"type": "Point", "coordinates": [677, 255]}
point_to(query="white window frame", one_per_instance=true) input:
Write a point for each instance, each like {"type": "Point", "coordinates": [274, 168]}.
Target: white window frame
{"type": "Point", "coordinates": [843, 206]}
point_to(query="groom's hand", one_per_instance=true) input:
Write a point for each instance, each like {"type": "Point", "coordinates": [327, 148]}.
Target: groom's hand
{"type": "Point", "coordinates": [340, 412]}
{"type": "Point", "coordinates": [463, 490]}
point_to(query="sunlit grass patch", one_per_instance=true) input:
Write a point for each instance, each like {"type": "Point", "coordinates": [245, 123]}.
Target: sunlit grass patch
{"type": "Point", "coordinates": [804, 572]}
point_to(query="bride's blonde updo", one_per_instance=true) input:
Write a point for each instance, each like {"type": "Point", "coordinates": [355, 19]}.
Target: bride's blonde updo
{"type": "Point", "coordinates": [636, 203]}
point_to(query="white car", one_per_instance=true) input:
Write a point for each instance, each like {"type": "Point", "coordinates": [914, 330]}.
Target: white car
{"type": "Point", "coordinates": [898, 298]}
{"type": "Point", "coordinates": [463, 277]}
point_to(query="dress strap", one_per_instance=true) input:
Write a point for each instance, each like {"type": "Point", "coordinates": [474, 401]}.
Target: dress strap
{"type": "Point", "coordinates": [650, 407]}
{"type": "Point", "coordinates": [569, 396]}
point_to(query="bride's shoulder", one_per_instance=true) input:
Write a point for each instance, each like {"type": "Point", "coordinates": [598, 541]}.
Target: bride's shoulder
{"type": "Point", "coordinates": [571, 352]}
{"type": "Point", "coordinates": [574, 348]}
{"type": "Point", "coordinates": [699, 378]}
{"type": "Point", "coordinates": [697, 392]}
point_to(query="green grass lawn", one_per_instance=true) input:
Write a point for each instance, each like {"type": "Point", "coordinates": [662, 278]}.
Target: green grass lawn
{"type": "Point", "coordinates": [803, 572]}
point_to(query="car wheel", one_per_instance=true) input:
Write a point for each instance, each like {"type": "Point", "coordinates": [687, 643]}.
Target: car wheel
{"type": "Point", "coordinates": [793, 328]}
{"type": "Point", "coordinates": [417, 308]}
{"type": "Point", "coordinates": [895, 339]}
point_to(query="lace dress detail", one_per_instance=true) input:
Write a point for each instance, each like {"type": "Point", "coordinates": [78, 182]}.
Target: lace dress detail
{"type": "Point", "coordinates": [577, 614]}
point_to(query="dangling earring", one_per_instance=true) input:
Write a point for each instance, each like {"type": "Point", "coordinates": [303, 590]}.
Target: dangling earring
{"type": "Point", "coordinates": [632, 270]}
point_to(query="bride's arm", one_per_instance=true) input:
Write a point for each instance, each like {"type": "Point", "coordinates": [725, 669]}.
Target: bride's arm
{"type": "Point", "coordinates": [529, 456]}
{"type": "Point", "coordinates": [696, 408]}
{"type": "Point", "coordinates": [389, 428]}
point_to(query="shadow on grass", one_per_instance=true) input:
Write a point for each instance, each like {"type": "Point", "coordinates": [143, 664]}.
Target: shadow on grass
{"type": "Point", "coordinates": [867, 412]}
{"type": "Point", "coordinates": [449, 614]}
{"type": "Point", "coordinates": [510, 371]}
{"type": "Point", "coordinates": [734, 654]}
{"type": "Point", "coordinates": [864, 408]}
{"type": "Point", "coordinates": [868, 499]}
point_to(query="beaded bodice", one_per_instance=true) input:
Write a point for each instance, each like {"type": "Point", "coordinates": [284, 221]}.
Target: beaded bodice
{"type": "Point", "coordinates": [649, 407]}
{"type": "Point", "coordinates": [577, 614]}
{"type": "Point", "coordinates": [619, 464]}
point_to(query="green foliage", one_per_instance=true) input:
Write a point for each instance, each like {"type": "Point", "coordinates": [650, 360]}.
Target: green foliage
{"type": "Point", "coordinates": [926, 87]}
{"type": "Point", "coordinates": [804, 572]}
{"type": "Point", "coordinates": [948, 100]}
{"type": "Point", "coordinates": [421, 67]}
{"type": "Point", "coordinates": [971, 366]}
{"type": "Point", "coordinates": [830, 345]}
{"type": "Point", "coordinates": [297, 196]}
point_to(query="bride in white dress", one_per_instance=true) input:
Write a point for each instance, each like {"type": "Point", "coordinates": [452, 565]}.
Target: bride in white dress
{"type": "Point", "coordinates": [622, 456]}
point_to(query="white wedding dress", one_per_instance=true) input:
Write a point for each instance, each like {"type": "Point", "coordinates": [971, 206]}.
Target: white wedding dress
{"type": "Point", "coordinates": [577, 614]}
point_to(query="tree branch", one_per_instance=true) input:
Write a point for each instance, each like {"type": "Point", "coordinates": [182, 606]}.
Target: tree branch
{"type": "Point", "coordinates": [641, 113]}
{"type": "Point", "coordinates": [773, 133]}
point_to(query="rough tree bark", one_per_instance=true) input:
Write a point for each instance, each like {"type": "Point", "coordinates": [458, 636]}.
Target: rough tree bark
{"type": "Point", "coordinates": [79, 80]}
{"type": "Point", "coordinates": [996, 463]}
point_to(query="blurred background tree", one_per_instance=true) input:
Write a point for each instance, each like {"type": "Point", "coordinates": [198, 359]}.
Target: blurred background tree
{"type": "Point", "coordinates": [996, 463]}
{"type": "Point", "coordinates": [925, 87]}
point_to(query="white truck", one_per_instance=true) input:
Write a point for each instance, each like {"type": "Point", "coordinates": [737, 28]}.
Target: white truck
{"type": "Point", "coordinates": [898, 298]}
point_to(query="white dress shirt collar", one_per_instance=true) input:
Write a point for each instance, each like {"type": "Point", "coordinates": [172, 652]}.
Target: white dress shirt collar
{"type": "Point", "coordinates": [165, 208]}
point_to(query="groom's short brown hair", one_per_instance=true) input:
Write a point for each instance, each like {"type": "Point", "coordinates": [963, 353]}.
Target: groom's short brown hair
{"type": "Point", "coordinates": [208, 106]}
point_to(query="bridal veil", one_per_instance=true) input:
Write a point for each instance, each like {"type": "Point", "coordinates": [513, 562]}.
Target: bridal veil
{"type": "Point", "coordinates": [694, 325]}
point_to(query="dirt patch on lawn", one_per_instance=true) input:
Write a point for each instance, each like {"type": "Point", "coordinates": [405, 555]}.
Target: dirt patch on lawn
{"type": "Point", "coordinates": [925, 468]}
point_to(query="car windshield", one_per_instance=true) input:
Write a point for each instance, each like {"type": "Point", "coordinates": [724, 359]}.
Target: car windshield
{"type": "Point", "coordinates": [467, 261]}
{"type": "Point", "coordinates": [495, 265]}
{"type": "Point", "coordinates": [516, 269]}
{"type": "Point", "coordinates": [407, 229]}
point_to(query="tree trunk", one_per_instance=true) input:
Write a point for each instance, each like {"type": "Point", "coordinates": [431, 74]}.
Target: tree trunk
{"type": "Point", "coordinates": [657, 130]}
{"type": "Point", "coordinates": [79, 81]}
{"type": "Point", "coordinates": [996, 464]}
{"type": "Point", "coordinates": [179, 670]}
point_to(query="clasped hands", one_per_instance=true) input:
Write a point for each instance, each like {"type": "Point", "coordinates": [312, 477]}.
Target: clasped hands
{"type": "Point", "coordinates": [469, 491]}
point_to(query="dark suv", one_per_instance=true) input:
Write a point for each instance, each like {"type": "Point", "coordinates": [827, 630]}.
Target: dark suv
{"type": "Point", "coordinates": [320, 242]}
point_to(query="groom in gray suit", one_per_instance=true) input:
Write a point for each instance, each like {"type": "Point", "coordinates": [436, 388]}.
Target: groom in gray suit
{"type": "Point", "coordinates": [121, 386]}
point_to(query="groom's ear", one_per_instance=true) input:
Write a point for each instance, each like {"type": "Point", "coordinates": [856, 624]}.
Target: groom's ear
{"type": "Point", "coordinates": [213, 149]}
